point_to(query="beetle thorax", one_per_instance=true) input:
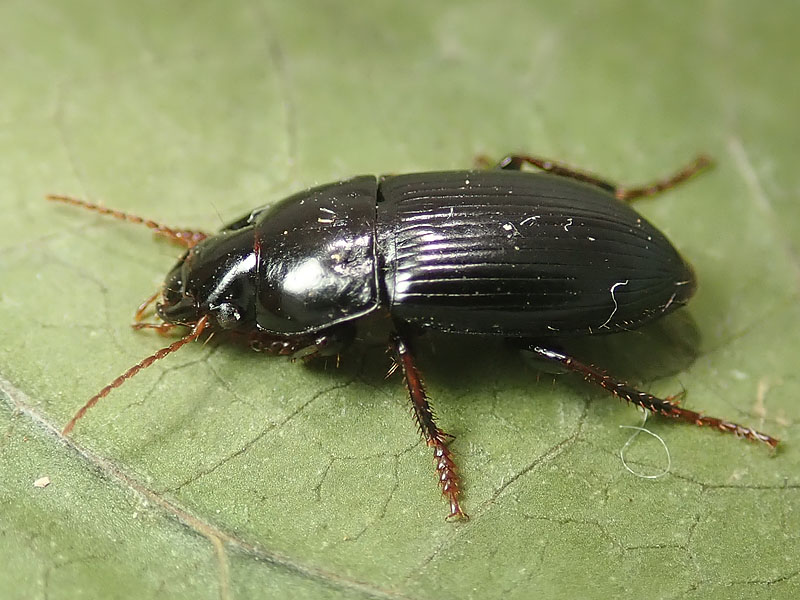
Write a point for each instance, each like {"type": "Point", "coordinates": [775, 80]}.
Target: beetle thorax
{"type": "Point", "coordinates": [316, 258]}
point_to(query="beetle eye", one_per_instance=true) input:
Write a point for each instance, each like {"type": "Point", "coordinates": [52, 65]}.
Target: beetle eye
{"type": "Point", "coordinates": [227, 315]}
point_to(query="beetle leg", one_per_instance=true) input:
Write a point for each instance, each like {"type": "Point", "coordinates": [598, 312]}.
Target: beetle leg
{"type": "Point", "coordinates": [434, 437]}
{"type": "Point", "coordinates": [280, 346]}
{"type": "Point", "coordinates": [666, 407]}
{"type": "Point", "coordinates": [515, 161]}
{"type": "Point", "coordinates": [139, 314]}
{"type": "Point", "coordinates": [161, 328]}
{"type": "Point", "coordinates": [185, 237]}
{"type": "Point", "coordinates": [700, 163]}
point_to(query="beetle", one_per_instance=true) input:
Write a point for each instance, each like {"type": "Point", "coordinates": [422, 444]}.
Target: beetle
{"type": "Point", "coordinates": [529, 256]}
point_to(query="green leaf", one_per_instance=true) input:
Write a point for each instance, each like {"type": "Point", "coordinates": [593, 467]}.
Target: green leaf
{"type": "Point", "coordinates": [220, 472]}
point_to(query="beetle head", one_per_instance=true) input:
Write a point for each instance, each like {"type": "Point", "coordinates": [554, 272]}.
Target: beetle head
{"type": "Point", "coordinates": [215, 278]}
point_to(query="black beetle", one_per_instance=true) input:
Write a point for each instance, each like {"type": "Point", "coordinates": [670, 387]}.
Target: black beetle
{"type": "Point", "coordinates": [504, 252]}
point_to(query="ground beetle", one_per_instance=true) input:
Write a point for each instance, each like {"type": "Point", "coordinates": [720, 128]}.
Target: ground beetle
{"type": "Point", "coordinates": [528, 256]}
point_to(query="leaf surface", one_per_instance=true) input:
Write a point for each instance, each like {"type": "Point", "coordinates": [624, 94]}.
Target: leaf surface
{"type": "Point", "coordinates": [223, 473]}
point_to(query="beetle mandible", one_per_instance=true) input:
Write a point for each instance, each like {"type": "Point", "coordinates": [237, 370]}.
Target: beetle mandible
{"type": "Point", "coordinates": [528, 256]}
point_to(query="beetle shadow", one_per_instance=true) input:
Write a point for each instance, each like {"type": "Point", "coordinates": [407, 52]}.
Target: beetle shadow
{"type": "Point", "coordinates": [664, 348]}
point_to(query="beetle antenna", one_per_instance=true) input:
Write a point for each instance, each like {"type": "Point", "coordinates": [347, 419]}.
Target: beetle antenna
{"type": "Point", "coordinates": [193, 335]}
{"type": "Point", "coordinates": [187, 238]}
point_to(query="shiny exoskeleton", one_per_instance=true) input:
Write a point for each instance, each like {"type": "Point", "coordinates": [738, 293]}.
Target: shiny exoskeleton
{"type": "Point", "coordinates": [504, 252]}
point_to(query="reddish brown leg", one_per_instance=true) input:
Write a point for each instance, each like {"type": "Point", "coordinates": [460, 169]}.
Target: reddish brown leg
{"type": "Point", "coordinates": [162, 328]}
{"type": "Point", "coordinates": [699, 164]}
{"type": "Point", "coordinates": [434, 437]}
{"type": "Point", "coordinates": [185, 237]}
{"type": "Point", "coordinates": [666, 407]}
{"type": "Point", "coordinates": [139, 314]}
{"type": "Point", "coordinates": [515, 162]}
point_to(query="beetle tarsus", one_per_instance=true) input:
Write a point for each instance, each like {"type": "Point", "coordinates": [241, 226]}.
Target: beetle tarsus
{"type": "Point", "coordinates": [446, 470]}
{"type": "Point", "coordinates": [666, 407]}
